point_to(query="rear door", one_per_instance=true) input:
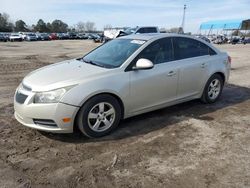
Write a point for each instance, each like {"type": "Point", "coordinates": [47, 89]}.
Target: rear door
{"type": "Point", "coordinates": [193, 65]}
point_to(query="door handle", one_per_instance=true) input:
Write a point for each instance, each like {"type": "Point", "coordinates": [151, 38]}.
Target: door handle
{"type": "Point", "coordinates": [171, 73]}
{"type": "Point", "coordinates": [203, 65]}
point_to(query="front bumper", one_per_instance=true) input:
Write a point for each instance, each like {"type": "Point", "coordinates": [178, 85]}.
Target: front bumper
{"type": "Point", "coordinates": [26, 112]}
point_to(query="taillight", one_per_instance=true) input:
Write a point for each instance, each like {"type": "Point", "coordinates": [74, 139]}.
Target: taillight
{"type": "Point", "coordinates": [229, 59]}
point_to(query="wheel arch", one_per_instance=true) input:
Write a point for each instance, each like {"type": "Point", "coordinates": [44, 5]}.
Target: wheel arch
{"type": "Point", "coordinates": [102, 93]}
{"type": "Point", "coordinates": [214, 73]}
{"type": "Point", "coordinates": [223, 76]}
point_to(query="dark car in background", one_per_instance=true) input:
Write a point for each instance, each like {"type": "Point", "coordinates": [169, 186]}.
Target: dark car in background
{"type": "Point", "coordinates": [3, 38]}
{"type": "Point", "coordinates": [44, 36]}
{"type": "Point", "coordinates": [82, 36]}
{"type": "Point", "coordinates": [72, 35]}
{"type": "Point", "coordinates": [59, 36]}
{"type": "Point", "coordinates": [98, 38]}
{"type": "Point", "coordinates": [247, 40]}
{"type": "Point", "coordinates": [235, 40]}
{"type": "Point", "coordinates": [204, 38]}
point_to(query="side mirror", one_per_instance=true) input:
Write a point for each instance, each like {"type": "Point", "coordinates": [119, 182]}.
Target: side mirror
{"type": "Point", "coordinates": [143, 64]}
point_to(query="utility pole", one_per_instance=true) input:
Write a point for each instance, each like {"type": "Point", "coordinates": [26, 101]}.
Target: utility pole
{"type": "Point", "coordinates": [183, 19]}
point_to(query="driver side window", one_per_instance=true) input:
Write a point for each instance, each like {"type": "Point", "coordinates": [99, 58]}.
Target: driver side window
{"type": "Point", "coordinates": [158, 52]}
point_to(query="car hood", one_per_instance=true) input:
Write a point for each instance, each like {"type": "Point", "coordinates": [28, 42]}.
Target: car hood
{"type": "Point", "coordinates": [63, 74]}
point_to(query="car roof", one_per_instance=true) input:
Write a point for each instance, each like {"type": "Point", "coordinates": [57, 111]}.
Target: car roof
{"type": "Point", "coordinates": [151, 36]}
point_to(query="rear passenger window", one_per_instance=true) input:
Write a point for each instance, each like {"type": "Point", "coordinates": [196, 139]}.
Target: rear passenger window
{"type": "Point", "coordinates": [188, 48]}
{"type": "Point", "coordinates": [158, 52]}
{"type": "Point", "coordinates": [206, 50]}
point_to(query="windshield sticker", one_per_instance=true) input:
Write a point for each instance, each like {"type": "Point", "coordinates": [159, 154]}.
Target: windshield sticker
{"type": "Point", "coordinates": [138, 42]}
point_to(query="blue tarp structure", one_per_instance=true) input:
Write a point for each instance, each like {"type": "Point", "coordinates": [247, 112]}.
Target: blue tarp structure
{"type": "Point", "coordinates": [226, 24]}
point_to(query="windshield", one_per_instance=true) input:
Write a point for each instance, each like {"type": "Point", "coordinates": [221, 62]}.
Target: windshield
{"type": "Point", "coordinates": [114, 53]}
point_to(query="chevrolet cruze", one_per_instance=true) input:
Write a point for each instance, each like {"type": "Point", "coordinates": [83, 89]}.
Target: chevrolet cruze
{"type": "Point", "coordinates": [125, 77]}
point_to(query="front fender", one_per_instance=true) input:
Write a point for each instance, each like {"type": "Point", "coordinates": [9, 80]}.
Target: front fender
{"type": "Point", "coordinates": [115, 84]}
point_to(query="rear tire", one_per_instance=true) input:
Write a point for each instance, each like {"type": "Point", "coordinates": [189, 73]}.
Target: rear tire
{"type": "Point", "coordinates": [99, 116]}
{"type": "Point", "coordinates": [213, 89]}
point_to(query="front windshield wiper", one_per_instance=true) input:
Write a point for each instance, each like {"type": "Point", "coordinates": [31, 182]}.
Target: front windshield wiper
{"type": "Point", "coordinates": [91, 62]}
{"type": "Point", "coordinates": [94, 63]}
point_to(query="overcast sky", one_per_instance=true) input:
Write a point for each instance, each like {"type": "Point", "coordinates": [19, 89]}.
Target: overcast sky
{"type": "Point", "coordinates": [162, 13]}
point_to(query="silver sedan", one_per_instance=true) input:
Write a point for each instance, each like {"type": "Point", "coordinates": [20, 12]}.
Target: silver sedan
{"type": "Point", "coordinates": [125, 77]}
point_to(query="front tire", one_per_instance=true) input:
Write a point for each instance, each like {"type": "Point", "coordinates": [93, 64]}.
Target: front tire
{"type": "Point", "coordinates": [213, 89]}
{"type": "Point", "coordinates": [99, 116]}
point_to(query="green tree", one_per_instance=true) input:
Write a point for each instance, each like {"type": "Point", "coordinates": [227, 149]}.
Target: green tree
{"type": "Point", "coordinates": [5, 24]}
{"type": "Point", "coordinates": [20, 25]}
{"type": "Point", "coordinates": [59, 26]}
{"type": "Point", "coordinates": [49, 27]}
{"type": "Point", "coordinates": [41, 26]}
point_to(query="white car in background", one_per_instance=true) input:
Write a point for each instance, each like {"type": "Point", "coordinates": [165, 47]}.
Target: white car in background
{"type": "Point", "coordinates": [113, 33]}
{"type": "Point", "coordinates": [125, 77]}
{"type": "Point", "coordinates": [31, 37]}
{"type": "Point", "coordinates": [15, 37]}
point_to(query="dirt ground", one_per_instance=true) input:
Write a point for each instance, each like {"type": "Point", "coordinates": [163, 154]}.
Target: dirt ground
{"type": "Point", "coordinates": [188, 145]}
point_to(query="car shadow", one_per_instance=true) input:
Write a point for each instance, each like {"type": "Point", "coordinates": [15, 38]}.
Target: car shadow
{"type": "Point", "coordinates": [152, 121]}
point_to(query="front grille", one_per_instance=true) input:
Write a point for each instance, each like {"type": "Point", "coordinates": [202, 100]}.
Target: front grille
{"type": "Point", "coordinates": [47, 122]}
{"type": "Point", "coordinates": [20, 98]}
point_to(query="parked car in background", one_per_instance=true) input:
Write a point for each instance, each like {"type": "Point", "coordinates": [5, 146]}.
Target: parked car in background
{"type": "Point", "coordinates": [65, 36]}
{"type": "Point", "coordinates": [15, 37]}
{"type": "Point", "coordinates": [53, 36]}
{"type": "Point", "coordinates": [94, 36]}
{"type": "Point", "coordinates": [141, 30]}
{"type": "Point", "coordinates": [235, 40]}
{"type": "Point", "coordinates": [246, 41]}
{"type": "Point", "coordinates": [23, 35]}
{"type": "Point", "coordinates": [137, 30]}
{"type": "Point", "coordinates": [125, 77]}
{"type": "Point", "coordinates": [31, 37]}
{"type": "Point", "coordinates": [38, 36]}
{"type": "Point", "coordinates": [72, 35]}
{"type": "Point", "coordinates": [90, 36]}
{"type": "Point", "coordinates": [204, 38]}
{"type": "Point", "coordinates": [44, 36]}
{"type": "Point", "coordinates": [60, 36]}
{"type": "Point", "coordinates": [220, 39]}
{"type": "Point", "coordinates": [3, 38]}
{"type": "Point", "coordinates": [82, 36]}
{"type": "Point", "coordinates": [99, 38]}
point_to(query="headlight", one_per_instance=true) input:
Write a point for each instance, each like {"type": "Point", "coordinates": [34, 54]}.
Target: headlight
{"type": "Point", "coordinates": [53, 96]}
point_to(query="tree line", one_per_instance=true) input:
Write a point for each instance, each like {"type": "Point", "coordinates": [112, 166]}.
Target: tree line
{"type": "Point", "coordinates": [56, 26]}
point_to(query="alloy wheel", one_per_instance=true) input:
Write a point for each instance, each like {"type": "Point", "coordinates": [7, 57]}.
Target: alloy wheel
{"type": "Point", "coordinates": [101, 117]}
{"type": "Point", "coordinates": [214, 89]}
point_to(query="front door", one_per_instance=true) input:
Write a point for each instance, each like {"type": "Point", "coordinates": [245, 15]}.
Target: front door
{"type": "Point", "coordinates": [157, 86]}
